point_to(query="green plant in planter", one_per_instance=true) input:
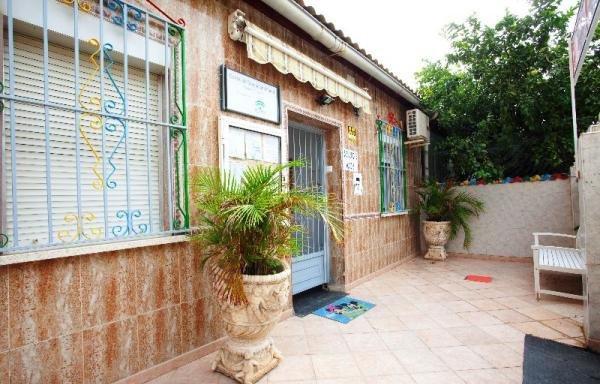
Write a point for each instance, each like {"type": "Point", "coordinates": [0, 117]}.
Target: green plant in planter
{"type": "Point", "coordinates": [443, 202]}
{"type": "Point", "coordinates": [247, 226]}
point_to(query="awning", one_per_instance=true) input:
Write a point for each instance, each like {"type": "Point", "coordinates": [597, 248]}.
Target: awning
{"type": "Point", "coordinates": [264, 48]}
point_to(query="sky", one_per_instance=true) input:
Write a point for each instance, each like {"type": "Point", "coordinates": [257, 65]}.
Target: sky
{"type": "Point", "coordinates": [402, 34]}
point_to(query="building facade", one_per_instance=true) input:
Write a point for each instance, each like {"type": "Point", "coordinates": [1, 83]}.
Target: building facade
{"type": "Point", "coordinates": [102, 123]}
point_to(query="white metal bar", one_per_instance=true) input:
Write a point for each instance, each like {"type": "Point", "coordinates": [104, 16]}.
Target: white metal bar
{"type": "Point", "coordinates": [125, 125]}
{"type": "Point", "coordinates": [148, 158]}
{"type": "Point", "coordinates": [47, 126]}
{"type": "Point", "coordinates": [13, 154]}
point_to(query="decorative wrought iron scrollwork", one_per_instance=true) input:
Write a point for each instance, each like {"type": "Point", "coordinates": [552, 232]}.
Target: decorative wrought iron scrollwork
{"type": "Point", "coordinates": [113, 123]}
{"type": "Point", "coordinates": [179, 21]}
{"type": "Point", "coordinates": [180, 214]}
{"type": "Point", "coordinates": [179, 116]}
{"type": "Point", "coordinates": [3, 240]}
{"type": "Point", "coordinates": [81, 4]}
{"type": "Point", "coordinates": [116, 5]}
{"type": "Point", "coordinates": [92, 106]}
{"type": "Point", "coordinates": [129, 227]}
{"type": "Point", "coordinates": [80, 230]}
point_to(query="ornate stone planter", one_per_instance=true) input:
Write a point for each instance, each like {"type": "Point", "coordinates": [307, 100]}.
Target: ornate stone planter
{"type": "Point", "coordinates": [436, 235]}
{"type": "Point", "coordinates": [248, 353]}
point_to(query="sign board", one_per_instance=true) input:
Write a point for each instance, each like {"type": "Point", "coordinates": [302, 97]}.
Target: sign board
{"type": "Point", "coordinates": [246, 95]}
{"type": "Point", "coordinates": [352, 136]}
{"type": "Point", "coordinates": [583, 33]}
{"type": "Point", "coordinates": [349, 160]}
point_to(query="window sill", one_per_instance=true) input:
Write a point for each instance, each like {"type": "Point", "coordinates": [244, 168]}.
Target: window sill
{"type": "Point", "coordinates": [391, 214]}
{"type": "Point", "coordinates": [46, 254]}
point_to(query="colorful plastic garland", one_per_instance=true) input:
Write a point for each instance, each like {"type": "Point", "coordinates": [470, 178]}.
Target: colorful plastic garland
{"type": "Point", "coordinates": [517, 179]}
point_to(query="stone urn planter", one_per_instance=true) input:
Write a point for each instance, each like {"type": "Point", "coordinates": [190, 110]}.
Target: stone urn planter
{"type": "Point", "coordinates": [437, 234]}
{"type": "Point", "coordinates": [248, 353]}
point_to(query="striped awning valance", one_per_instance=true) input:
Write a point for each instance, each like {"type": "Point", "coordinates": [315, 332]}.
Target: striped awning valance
{"type": "Point", "coordinates": [264, 48]}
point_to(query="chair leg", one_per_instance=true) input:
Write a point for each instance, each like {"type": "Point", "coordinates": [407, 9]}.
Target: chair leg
{"type": "Point", "coordinates": [536, 280]}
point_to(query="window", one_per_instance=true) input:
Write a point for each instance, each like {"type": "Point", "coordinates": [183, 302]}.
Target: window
{"type": "Point", "coordinates": [392, 169]}
{"type": "Point", "coordinates": [93, 144]}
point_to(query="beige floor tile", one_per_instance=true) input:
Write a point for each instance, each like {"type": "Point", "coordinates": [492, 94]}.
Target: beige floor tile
{"type": "Point", "coordinates": [472, 335]}
{"type": "Point", "coordinates": [574, 342]}
{"type": "Point", "coordinates": [378, 311]}
{"type": "Point", "coordinates": [515, 374]}
{"type": "Point", "coordinates": [321, 344]}
{"type": "Point", "coordinates": [460, 306]}
{"type": "Point", "coordinates": [538, 329]}
{"type": "Point", "coordinates": [461, 358]}
{"type": "Point", "coordinates": [293, 368]}
{"type": "Point", "coordinates": [505, 333]}
{"type": "Point", "coordinates": [450, 320]}
{"type": "Point", "coordinates": [415, 322]}
{"type": "Point", "coordinates": [512, 302]}
{"type": "Point", "coordinates": [538, 313]}
{"type": "Point", "coordinates": [335, 366]}
{"type": "Point", "coordinates": [420, 360]}
{"type": "Point", "coordinates": [346, 380]}
{"type": "Point", "coordinates": [393, 379]}
{"type": "Point", "coordinates": [364, 342]}
{"type": "Point", "coordinates": [479, 318]}
{"type": "Point", "coordinates": [378, 364]}
{"type": "Point", "coordinates": [468, 295]}
{"type": "Point", "coordinates": [433, 308]}
{"type": "Point", "coordinates": [386, 324]}
{"type": "Point", "coordinates": [499, 355]}
{"type": "Point", "coordinates": [437, 338]}
{"type": "Point", "coordinates": [292, 345]}
{"type": "Point", "coordinates": [318, 325]}
{"type": "Point", "coordinates": [358, 325]}
{"type": "Point", "coordinates": [447, 377]}
{"type": "Point", "coordinates": [517, 346]}
{"type": "Point", "coordinates": [290, 327]}
{"type": "Point", "coordinates": [405, 310]}
{"type": "Point", "coordinates": [566, 326]}
{"type": "Point", "coordinates": [486, 304]}
{"type": "Point", "coordinates": [402, 340]}
{"type": "Point", "coordinates": [483, 376]}
{"type": "Point", "coordinates": [509, 316]}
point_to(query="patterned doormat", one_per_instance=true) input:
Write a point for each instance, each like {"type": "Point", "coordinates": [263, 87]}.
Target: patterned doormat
{"type": "Point", "coordinates": [345, 309]}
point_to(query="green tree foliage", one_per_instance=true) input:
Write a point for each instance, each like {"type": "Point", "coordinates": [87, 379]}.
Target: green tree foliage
{"type": "Point", "coordinates": [502, 94]}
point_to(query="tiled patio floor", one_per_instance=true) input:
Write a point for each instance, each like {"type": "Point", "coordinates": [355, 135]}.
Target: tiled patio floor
{"type": "Point", "coordinates": [429, 326]}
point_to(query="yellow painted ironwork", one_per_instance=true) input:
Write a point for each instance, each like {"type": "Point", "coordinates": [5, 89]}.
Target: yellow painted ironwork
{"type": "Point", "coordinates": [92, 104]}
{"type": "Point", "coordinates": [81, 4]}
{"type": "Point", "coordinates": [80, 230]}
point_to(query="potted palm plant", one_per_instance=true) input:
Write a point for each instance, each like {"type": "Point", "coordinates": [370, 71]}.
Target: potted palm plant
{"type": "Point", "coordinates": [246, 234]}
{"type": "Point", "coordinates": [447, 211]}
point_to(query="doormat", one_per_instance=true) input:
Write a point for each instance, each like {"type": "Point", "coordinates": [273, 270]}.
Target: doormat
{"type": "Point", "coordinates": [344, 310]}
{"type": "Point", "coordinates": [551, 362]}
{"type": "Point", "coordinates": [309, 301]}
{"type": "Point", "coordinates": [479, 278]}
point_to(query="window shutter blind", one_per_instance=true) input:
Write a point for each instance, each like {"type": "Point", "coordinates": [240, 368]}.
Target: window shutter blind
{"type": "Point", "coordinates": [143, 143]}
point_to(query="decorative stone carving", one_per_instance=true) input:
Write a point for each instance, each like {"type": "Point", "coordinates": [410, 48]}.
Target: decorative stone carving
{"type": "Point", "coordinates": [248, 353]}
{"type": "Point", "coordinates": [236, 25]}
{"type": "Point", "coordinates": [437, 234]}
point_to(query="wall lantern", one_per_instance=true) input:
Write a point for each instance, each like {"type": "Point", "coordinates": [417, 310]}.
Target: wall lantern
{"type": "Point", "coordinates": [325, 99]}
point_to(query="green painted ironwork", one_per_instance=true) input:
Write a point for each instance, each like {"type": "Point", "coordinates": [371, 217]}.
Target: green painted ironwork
{"type": "Point", "coordinates": [3, 240]}
{"type": "Point", "coordinates": [392, 167]}
{"type": "Point", "coordinates": [181, 219]}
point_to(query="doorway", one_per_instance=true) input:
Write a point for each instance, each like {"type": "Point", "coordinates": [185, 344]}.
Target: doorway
{"type": "Point", "coordinates": [310, 266]}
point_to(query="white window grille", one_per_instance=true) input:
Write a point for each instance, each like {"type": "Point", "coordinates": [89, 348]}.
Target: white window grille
{"type": "Point", "coordinates": [93, 143]}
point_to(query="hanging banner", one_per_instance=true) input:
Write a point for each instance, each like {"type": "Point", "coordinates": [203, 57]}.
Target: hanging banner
{"type": "Point", "coordinates": [583, 33]}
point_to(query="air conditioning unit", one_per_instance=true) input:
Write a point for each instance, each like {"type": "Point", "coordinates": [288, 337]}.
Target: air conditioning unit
{"type": "Point", "coordinates": [417, 125]}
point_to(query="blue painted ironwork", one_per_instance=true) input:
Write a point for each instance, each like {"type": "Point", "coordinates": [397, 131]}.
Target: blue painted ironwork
{"type": "Point", "coordinates": [113, 123]}
{"type": "Point", "coordinates": [129, 227]}
{"type": "Point", "coordinates": [118, 6]}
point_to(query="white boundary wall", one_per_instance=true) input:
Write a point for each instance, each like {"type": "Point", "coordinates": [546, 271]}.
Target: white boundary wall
{"type": "Point", "coordinates": [513, 212]}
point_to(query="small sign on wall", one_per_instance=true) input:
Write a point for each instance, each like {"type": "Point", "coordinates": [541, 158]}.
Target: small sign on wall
{"type": "Point", "coordinates": [357, 183]}
{"type": "Point", "coordinates": [246, 95]}
{"type": "Point", "coordinates": [352, 136]}
{"type": "Point", "coordinates": [349, 160]}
